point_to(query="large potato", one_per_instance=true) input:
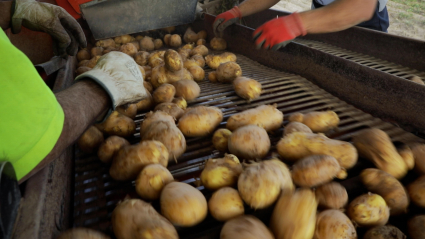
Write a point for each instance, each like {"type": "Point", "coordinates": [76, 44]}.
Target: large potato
{"type": "Point", "coordinates": [200, 121]}
{"type": "Point", "coordinates": [384, 232]}
{"type": "Point", "coordinates": [214, 61]}
{"type": "Point", "coordinates": [245, 227]}
{"type": "Point", "coordinates": [331, 195]}
{"type": "Point", "coordinates": [375, 145]}
{"type": "Point", "coordinates": [417, 191]}
{"type": "Point", "coordinates": [90, 140]}
{"type": "Point", "coordinates": [82, 233]}
{"type": "Point", "coordinates": [265, 116]}
{"type": "Point", "coordinates": [298, 145]}
{"type": "Point", "coordinates": [296, 127]}
{"type": "Point", "coordinates": [382, 183]}
{"type": "Point", "coordinates": [136, 219]}
{"type": "Point", "coordinates": [170, 108]}
{"type": "Point", "coordinates": [228, 72]}
{"type": "Point", "coordinates": [334, 224]}
{"type": "Point", "coordinates": [416, 227]}
{"type": "Point", "coordinates": [118, 124]}
{"type": "Point", "coordinates": [220, 139]}
{"type": "Point", "coordinates": [153, 117]}
{"type": "Point", "coordinates": [249, 142]}
{"type": "Point", "coordinates": [110, 147]}
{"type": "Point", "coordinates": [201, 50]}
{"type": "Point", "coordinates": [369, 210]}
{"type": "Point", "coordinates": [294, 215]}
{"type": "Point", "coordinates": [315, 170]}
{"type": "Point", "coordinates": [187, 89]}
{"type": "Point", "coordinates": [146, 44]}
{"type": "Point", "coordinates": [131, 159]}
{"type": "Point", "coordinates": [226, 204]}
{"type": "Point", "coordinates": [261, 183]}
{"type": "Point", "coordinates": [173, 60]}
{"type": "Point", "coordinates": [152, 180]}
{"type": "Point", "coordinates": [197, 72]}
{"type": "Point", "coordinates": [221, 172]}
{"type": "Point", "coordinates": [317, 121]}
{"type": "Point", "coordinates": [164, 94]}
{"type": "Point", "coordinates": [183, 205]}
{"type": "Point", "coordinates": [218, 44]}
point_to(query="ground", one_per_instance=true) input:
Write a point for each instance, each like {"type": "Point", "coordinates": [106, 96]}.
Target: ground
{"type": "Point", "coordinates": [407, 17]}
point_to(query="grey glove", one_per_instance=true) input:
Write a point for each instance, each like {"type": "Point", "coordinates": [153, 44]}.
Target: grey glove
{"type": "Point", "coordinates": [54, 20]}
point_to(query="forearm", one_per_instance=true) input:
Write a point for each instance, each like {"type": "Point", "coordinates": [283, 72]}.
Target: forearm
{"type": "Point", "coordinates": [5, 7]}
{"type": "Point", "coordinates": [249, 7]}
{"type": "Point", "coordinates": [82, 103]}
{"type": "Point", "coordinates": [337, 16]}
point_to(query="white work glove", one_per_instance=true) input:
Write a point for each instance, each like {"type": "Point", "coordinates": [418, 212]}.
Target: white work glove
{"type": "Point", "coordinates": [54, 20]}
{"type": "Point", "coordinates": [120, 77]}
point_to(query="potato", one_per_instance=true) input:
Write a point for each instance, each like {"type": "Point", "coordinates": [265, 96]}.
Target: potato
{"type": "Point", "coordinates": [212, 76]}
{"type": "Point", "coordinates": [199, 60]}
{"type": "Point", "coordinates": [110, 147]}
{"type": "Point", "coordinates": [334, 224]}
{"type": "Point", "coordinates": [202, 34]}
{"type": "Point", "coordinates": [159, 76]}
{"type": "Point", "coordinates": [152, 117]}
{"type": "Point", "coordinates": [146, 44]}
{"type": "Point", "coordinates": [245, 227]}
{"type": "Point", "coordinates": [175, 40]}
{"type": "Point", "coordinates": [92, 62]}
{"type": "Point", "coordinates": [298, 145]}
{"type": "Point", "coordinates": [201, 50]}
{"type": "Point", "coordinates": [184, 53]}
{"type": "Point", "coordinates": [129, 110]}
{"type": "Point", "coordinates": [249, 142]}
{"type": "Point", "coordinates": [189, 63]}
{"type": "Point", "coordinates": [90, 140]}
{"type": "Point", "coordinates": [416, 191]}
{"type": "Point", "coordinates": [187, 89]}
{"type": "Point", "coordinates": [157, 44]}
{"type": "Point", "coordinates": [317, 121]}
{"type": "Point", "coordinates": [152, 180]}
{"type": "Point", "coordinates": [155, 61]}
{"type": "Point", "coordinates": [201, 42]}
{"type": "Point", "coordinates": [109, 49]}
{"type": "Point", "coordinates": [83, 63]}
{"type": "Point", "coordinates": [167, 133]}
{"type": "Point", "coordinates": [407, 155]}
{"type": "Point", "coordinates": [157, 54]}
{"type": "Point", "coordinates": [261, 183]}
{"type": "Point", "coordinates": [294, 215]}
{"type": "Point", "coordinates": [180, 102]}
{"type": "Point", "coordinates": [123, 39]}
{"type": "Point", "coordinates": [96, 51]}
{"type": "Point", "coordinates": [83, 54]}
{"type": "Point", "coordinates": [106, 43]}
{"type": "Point", "coordinates": [130, 160]}
{"type": "Point", "coordinates": [416, 227]}
{"type": "Point", "coordinates": [228, 72]}
{"type": "Point", "coordinates": [197, 72]}
{"type": "Point", "coordinates": [417, 79]}
{"type": "Point", "coordinates": [315, 170]}
{"type": "Point", "coordinates": [200, 121]}
{"type": "Point", "coordinates": [226, 204]}
{"type": "Point", "coordinates": [265, 116]}
{"type": "Point", "coordinates": [118, 124]}
{"type": "Point", "coordinates": [141, 58]}
{"type": "Point", "coordinates": [183, 205]}
{"type": "Point", "coordinates": [382, 183]}
{"type": "Point", "coordinates": [167, 39]}
{"type": "Point", "coordinates": [220, 139]}
{"type": "Point", "coordinates": [418, 151]}
{"type": "Point", "coordinates": [369, 210]}
{"type": "Point", "coordinates": [246, 88]}
{"type": "Point", "coordinates": [182, 74]}
{"type": "Point", "coordinates": [375, 145]}
{"type": "Point", "coordinates": [136, 44]}
{"type": "Point", "coordinates": [384, 232]}
{"type": "Point", "coordinates": [170, 108]}
{"type": "Point", "coordinates": [214, 61]}
{"type": "Point", "coordinates": [82, 233]}
{"type": "Point", "coordinates": [148, 86]}
{"type": "Point", "coordinates": [173, 61]}
{"type": "Point", "coordinates": [331, 195]}
{"type": "Point", "coordinates": [164, 93]}
{"type": "Point", "coordinates": [190, 36]}
{"type": "Point", "coordinates": [188, 47]}
{"type": "Point", "coordinates": [80, 70]}
{"type": "Point", "coordinates": [145, 104]}
{"type": "Point", "coordinates": [135, 218]}
{"type": "Point", "coordinates": [296, 127]}
{"type": "Point", "coordinates": [218, 44]}
{"type": "Point", "coordinates": [221, 172]}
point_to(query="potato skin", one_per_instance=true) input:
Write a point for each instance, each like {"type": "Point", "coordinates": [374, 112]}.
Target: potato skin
{"type": "Point", "coordinates": [245, 227]}
{"type": "Point", "coordinates": [249, 142]}
{"type": "Point", "coordinates": [382, 183]}
{"type": "Point", "coordinates": [173, 60]}
{"type": "Point", "coordinates": [167, 39]}
{"type": "Point", "coordinates": [80, 70]}
{"type": "Point", "coordinates": [170, 108]}
{"type": "Point", "coordinates": [406, 154]}
{"type": "Point", "coordinates": [110, 147]}
{"type": "Point", "coordinates": [201, 50]}
{"type": "Point", "coordinates": [317, 121]}
{"type": "Point", "coordinates": [298, 145]}
{"type": "Point", "coordinates": [164, 94]}
{"type": "Point", "coordinates": [118, 124]}
{"type": "Point", "coordinates": [180, 102]}
{"type": "Point", "coordinates": [175, 40]}
{"type": "Point", "coordinates": [187, 89]}
{"type": "Point", "coordinates": [246, 88]}
{"type": "Point", "coordinates": [197, 72]}
{"type": "Point", "coordinates": [331, 195]}
{"type": "Point", "coordinates": [334, 224]}
{"type": "Point", "coordinates": [145, 104]}
{"type": "Point", "coordinates": [220, 139]}
{"type": "Point", "coordinates": [96, 51]}
{"type": "Point", "coordinates": [83, 54]}
{"type": "Point", "coordinates": [200, 121]}
{"type": "Point", "coordinates": [141, 58]}
{"type": "Point", "coordinates": [146, 44]}
{"type": "Point", "coordinates": [228, 72]}
{"type": "Point", "coordinates": [199, 60]}
{"type": "Point", "coordinates": [375, 145]}
{"type": "Point", "coordinates": [266, 116]}
{"type": "Point", "coordinates": [369, 210]}
{"type": "Point", "coordinates": [226, 204]}
{"type": "Point", "coordinates": [212, 76]}
{"type": "Point", "coordinates": [218, 44]}
{"type": "Point", "coordinates": [296, 127]}
{"type": "Point", "coordinates": [384, 232]}
{"type": "Point", "coordinates": [129, 110]}
{"type": "Point", "coordinates": [214, 61]}
{"type": "Point", "coordinates": [129, 49]}
{"type": "Point", "coordinates": [419, 155]}
{"type": "Point", "coordinates": [221, 172]}
{"type": "Point", "coordinates": [416, 227]}
{"type": "Point", "coordinates": [135, 218]}
{"type": "Point", "coordinates": [90, 140]}
{"type": "Point", "coordinates": [130, 160]}
{"type": "Point", "coordinates": [82, 233]}
{"type": "Point", "coordinates": [151, 180]}
{"type": "Point", "coordinates": [183, 204]}
{"type": "Point", "coordinates": [315, 170]}
{"type": "Point", "coordinates": [190, 36]}
{"type": "Point", "coordinates": [152, 117]}
{"type": "Point", "coordinates": [157, 44]}
{"type": "Point", "coordinates": [416, 191]}
{"type": "Point", "coordinates": [201, 42]}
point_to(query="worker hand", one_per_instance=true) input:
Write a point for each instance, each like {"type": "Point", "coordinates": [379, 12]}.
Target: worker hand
{"type": "Point", "coordinates": [226, 19]}
{"type": "Point", "coordinates": [279, 32]}
{"type": "Point", "coordinates": [120, 77]}
{"type": "Point", "coordinates": [54, 20]}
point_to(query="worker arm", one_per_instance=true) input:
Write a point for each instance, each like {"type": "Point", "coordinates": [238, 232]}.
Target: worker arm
{"type": "Point", "coordinates": [5, 7]}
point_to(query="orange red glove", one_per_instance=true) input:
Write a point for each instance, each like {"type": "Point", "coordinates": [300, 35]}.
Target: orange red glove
{"type": "Point", "coordinates": [226, 19]}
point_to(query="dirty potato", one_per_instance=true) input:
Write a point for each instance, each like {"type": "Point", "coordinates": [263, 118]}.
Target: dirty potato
{"type": "Point", "coordinates": [200, 121]}
{"type": "Point", "coordinates": [249, 142]}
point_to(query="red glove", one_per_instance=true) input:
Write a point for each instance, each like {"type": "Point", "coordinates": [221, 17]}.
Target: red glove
{"type": "Point", "coordinates": [226, 19]}
{"type": "Point", "coordinates": [278, 32]}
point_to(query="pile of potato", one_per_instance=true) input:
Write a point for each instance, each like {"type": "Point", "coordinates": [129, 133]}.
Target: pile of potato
{"type": "Point", "coordinates": [300, 181]}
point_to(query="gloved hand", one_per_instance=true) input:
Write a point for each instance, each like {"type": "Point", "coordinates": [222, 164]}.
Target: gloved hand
{"type": "Point", "coordinates": [54, 20]}
{"type": "Point", "coordinates": [278, 32]}
{"type": "Point", "coordinates": [120, 77]}
{"type": "Point", "coordinates": [226, 19]}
